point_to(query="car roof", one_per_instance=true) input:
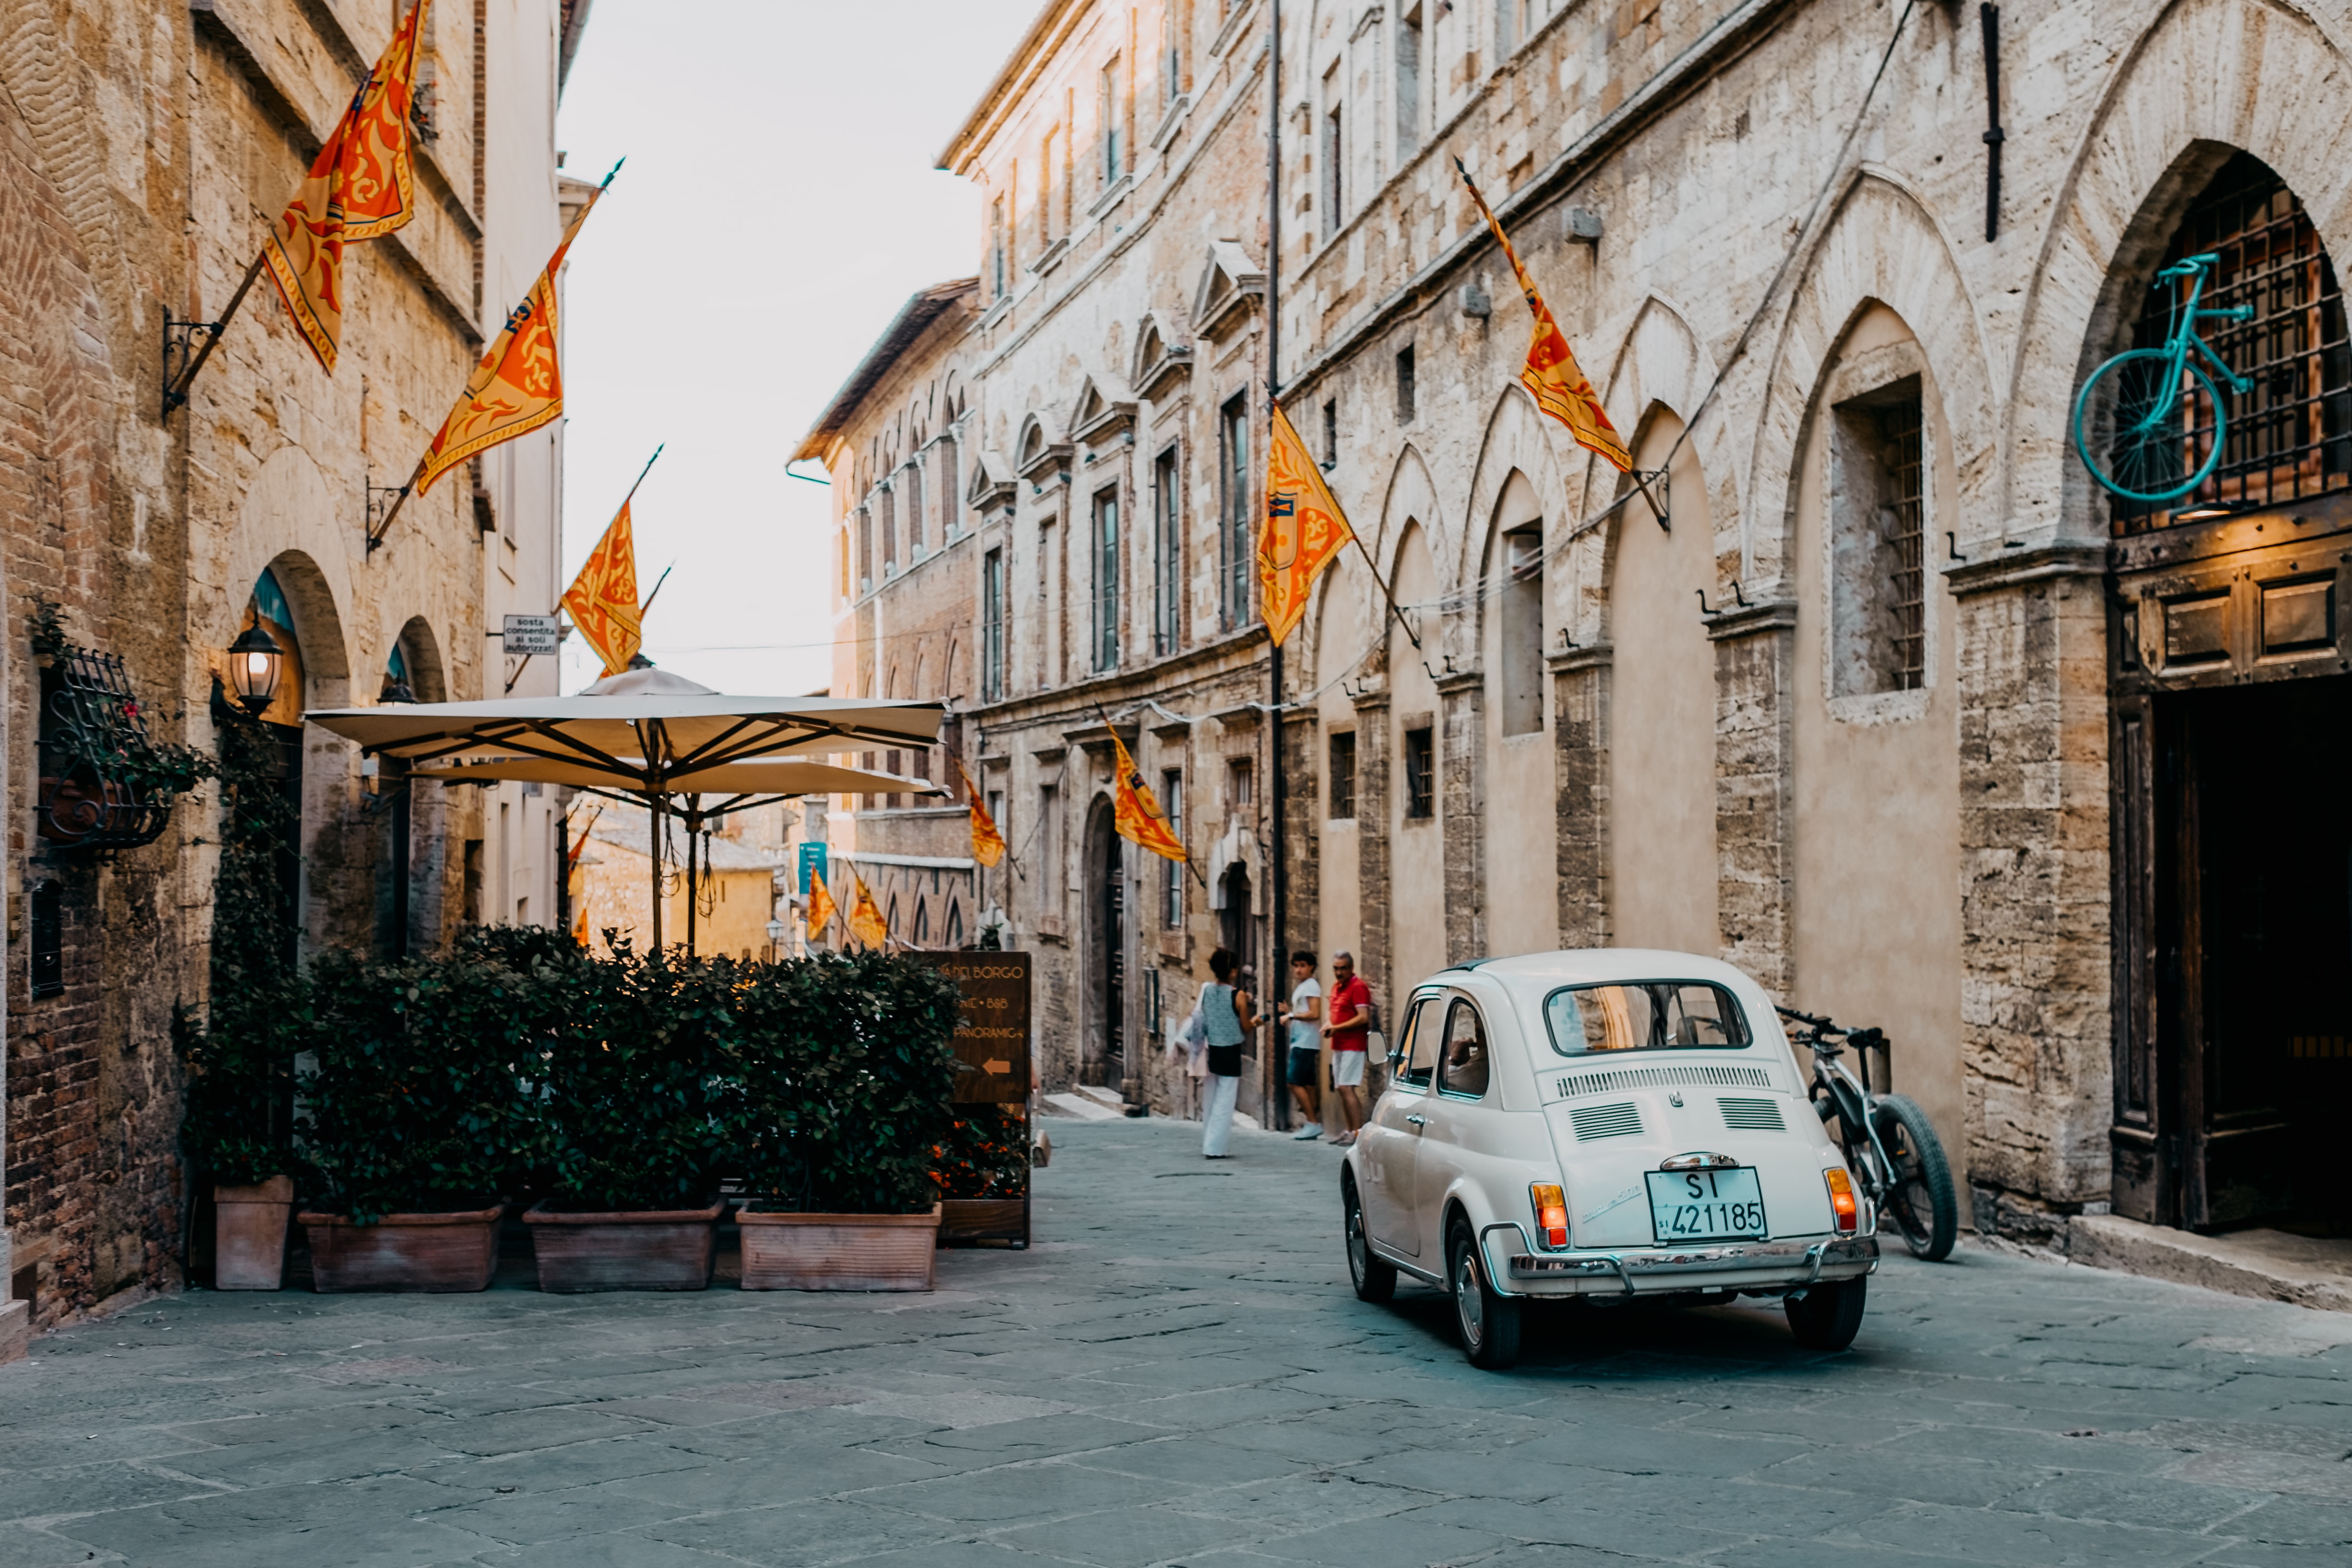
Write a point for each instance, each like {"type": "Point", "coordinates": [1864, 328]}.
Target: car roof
{"type": "Point", "coordinates": [1595, 966]}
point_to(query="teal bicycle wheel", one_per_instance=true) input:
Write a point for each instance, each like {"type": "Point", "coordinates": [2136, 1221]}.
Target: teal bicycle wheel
{"type": "Point", "coordinates": [2132, 425]}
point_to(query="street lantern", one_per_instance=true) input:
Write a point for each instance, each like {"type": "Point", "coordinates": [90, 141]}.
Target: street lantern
{"type": "Point", "coordinates": [396, 689]}
{"type": "Point", "coordinates": [255, 664]}
{"type": "Point", "coordinates": [775, 938]}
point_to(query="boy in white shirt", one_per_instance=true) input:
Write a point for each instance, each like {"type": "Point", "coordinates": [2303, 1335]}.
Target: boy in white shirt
{"type": "Point", "coordinates": [1304, 1067]}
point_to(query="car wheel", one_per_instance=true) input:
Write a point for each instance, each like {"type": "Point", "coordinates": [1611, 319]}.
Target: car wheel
{"type": "Point", "coordinates": [1374, 1280]}
{"type": "Point", "coordinates": [1489, 1322]}
{"type": "Point", "coordinates": [1920, 1199]}
{"type": "Point", "coordinates": [1827, 1317]}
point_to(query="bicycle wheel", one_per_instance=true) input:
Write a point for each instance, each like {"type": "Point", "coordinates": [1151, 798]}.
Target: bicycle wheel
{"type": "Point", "coordinates": [1920, 1200]}
{"type": "Point", "coordinates": [2132, 425]}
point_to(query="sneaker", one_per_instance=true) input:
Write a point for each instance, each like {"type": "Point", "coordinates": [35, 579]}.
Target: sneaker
{"type": "Point", "coordinates": [1344, 1141]}
{"type": "Point", "coordinates": [1312, 1129]}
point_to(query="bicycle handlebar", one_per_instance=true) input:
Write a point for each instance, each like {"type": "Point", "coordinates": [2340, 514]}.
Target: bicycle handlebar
{"type": "Point", "coordinates": [1867, 1037]}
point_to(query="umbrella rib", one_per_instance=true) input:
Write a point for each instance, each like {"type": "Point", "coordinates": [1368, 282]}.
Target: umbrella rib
{"type": "Point", "coordinates": [579, 749]}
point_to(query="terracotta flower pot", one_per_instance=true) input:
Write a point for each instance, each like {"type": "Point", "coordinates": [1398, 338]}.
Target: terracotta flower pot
{"type": "Point", "coordinates": [633, 1250]}
{"type": "Point", "coordinates": [838, 1251]}
{"type": "Point", "coordinates": [979, 1219]}
{"type": "Point", "coordinates": [249, 1234]}
{"type": "Point", "coordinates": [405, 1251]}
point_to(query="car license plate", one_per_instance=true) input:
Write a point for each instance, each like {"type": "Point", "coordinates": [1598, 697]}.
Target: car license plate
{"type": "Point", "coordinates": [1706, 1205]}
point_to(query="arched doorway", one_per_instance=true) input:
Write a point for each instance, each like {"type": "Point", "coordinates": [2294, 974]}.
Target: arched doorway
{"type": "Point", "coordinates": [1232, 920]}
{"type": "Point", "coordinates": [1106, 906]}
{"type": "Point", "coordinates": [2233, 870]}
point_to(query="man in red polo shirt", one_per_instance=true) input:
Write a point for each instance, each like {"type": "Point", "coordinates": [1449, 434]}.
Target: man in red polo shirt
{"type": "Point", "coordinates": [1349, 1010]}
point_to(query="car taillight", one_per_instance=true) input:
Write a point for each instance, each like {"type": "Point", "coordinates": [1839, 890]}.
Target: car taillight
{"type": "Point", "coordinates": [1849, 1212]}
{"type": "Point", "coordinates": [1551, 1213]}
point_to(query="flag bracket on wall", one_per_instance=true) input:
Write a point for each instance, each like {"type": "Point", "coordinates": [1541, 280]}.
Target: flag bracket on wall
{"type": "Point", "coordinates": [381, 500]}
{"type": "Point", "coordinates": [1661, 500]}
{"type": "Point", "coordinates": [180, 351]}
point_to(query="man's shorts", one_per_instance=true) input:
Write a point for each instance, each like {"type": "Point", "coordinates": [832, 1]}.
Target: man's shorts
{"type": "Point", "coordinates": [1306, 1070]}
{"type": "Point", "coordinates": [1347, 1069]}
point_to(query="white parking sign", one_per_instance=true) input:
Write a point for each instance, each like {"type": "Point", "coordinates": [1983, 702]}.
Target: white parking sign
{"type": "Point", "coordinates": [531, 634]}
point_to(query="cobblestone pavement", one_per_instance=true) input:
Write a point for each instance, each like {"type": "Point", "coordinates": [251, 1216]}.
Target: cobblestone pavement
{"type": "Point", "coordinates": [1179, 1375]}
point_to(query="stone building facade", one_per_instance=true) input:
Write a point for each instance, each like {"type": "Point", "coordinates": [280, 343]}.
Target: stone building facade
{"type": "Point", "coordinates": [143, 150]}
{"type": "Point", "coordinates": [1886, 699]}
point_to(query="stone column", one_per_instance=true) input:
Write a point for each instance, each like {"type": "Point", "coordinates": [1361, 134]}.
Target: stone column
{"type": "Point", "coordinates": [2036, 923]}
{"type": "Point", "coordinates": [1755, 650]}
{"type": "Point", "coordinates": [1580, 695]}
{"type": "Point", "coordinates": [1372, 840]}
{"type": "Point", "coordinates": [1462, 792]}
{"type": "Point", "coordinates": [1302, 827]}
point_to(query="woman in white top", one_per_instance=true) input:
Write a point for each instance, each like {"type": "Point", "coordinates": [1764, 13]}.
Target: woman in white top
{"type": "Point", "coordinates": [1229, 1018]}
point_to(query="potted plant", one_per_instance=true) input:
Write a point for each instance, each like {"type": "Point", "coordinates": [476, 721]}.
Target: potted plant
{"type": "Point", "coordinates": [240, 1059]}
{"type": "Point", "coordinates": [421, 1107]}
{"type": "Point", "coordinates": [639, 1050]}
{"type": "Point", "coordinates": [846, 1077]}
{"type": "Point", "coordinates": [238, 1073]}
{"type": "Point", "coordinates": [983, 1172]}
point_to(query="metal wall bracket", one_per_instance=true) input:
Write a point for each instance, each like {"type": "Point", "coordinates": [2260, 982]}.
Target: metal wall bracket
{"type": "Point", "coordinates": [181, 351]}
{"type": "Point", "coordinates": [381, 500]}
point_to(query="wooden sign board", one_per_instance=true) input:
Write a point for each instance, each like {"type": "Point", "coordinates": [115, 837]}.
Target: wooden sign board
{"type": "Point", "coordinates": [991, 1047]}
{"type": "Point", "coordinates": [991, 1037]}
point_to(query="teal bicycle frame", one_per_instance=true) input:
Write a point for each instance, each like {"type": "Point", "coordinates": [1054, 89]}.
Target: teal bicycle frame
{"type": "Point", "coordinates": [2147, 395]}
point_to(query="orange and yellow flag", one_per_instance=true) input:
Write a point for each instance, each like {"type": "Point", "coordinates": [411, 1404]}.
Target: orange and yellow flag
{"type": "Point", "coordinates": [987, 842]}
{"type": "Point", "coordinates": [603, 598]}
{"type": "Point", "coordinates": [866, 922]}
{"type": "Point", "coordinates": [1305, 529]}
{"type": "Point", "coordinates": [361, 186]}
{"type": "Point", "coordinates": [820, 905]}
{"type": "Point", "coordinates": [1136, 815]}
{"type": "Point", "coordinates": [517, 387]}
{"type": "Point", "coordinates": [1559, 387]}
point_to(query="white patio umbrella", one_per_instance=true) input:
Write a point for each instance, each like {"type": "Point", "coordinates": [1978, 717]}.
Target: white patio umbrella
{"type": "Point", "coordinates": [652, 735]}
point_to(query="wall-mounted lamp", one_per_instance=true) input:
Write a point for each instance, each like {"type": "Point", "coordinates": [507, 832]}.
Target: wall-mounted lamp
{"type": "Point", "coordinates": [396, 689]}
{"type": "Point", "coordinates": [255, 664]}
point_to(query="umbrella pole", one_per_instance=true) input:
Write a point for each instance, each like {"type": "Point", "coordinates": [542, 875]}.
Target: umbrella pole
{"type": "Point", "coordinates": [693, 893]}
{"type": "Point", "coordinates": [654, 847]}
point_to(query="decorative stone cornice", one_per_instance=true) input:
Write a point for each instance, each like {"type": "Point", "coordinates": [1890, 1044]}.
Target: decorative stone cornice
{"type": "Point", "coordinates": [1461, 680]}
{"type": "Point", "coordinates": [1567, 660]}
{"type": "Point", "coordinates": [2029, 564]}
{"type": "Point", "coordinates": [1749, 620]}
{"type": "Point", "coordinates": [1372, 702]}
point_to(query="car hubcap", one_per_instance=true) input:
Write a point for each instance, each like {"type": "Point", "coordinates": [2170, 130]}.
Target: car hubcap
{"type": "Point", "coordinates": [1466, 1298]}
{"type": "Point", "coordinates": [1356, 1242]}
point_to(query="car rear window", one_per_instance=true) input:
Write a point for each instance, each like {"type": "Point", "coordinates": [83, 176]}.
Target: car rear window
{"type": "Point", "coordinates": [1645, 1016]}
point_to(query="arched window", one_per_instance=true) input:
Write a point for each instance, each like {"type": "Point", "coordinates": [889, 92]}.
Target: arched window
{"type": "Point", "coordinates": [923, 924]}
{"type": "Point", "coordinates": [2290, 435]}
{"type": "Point", "coordinates": [955, 923]}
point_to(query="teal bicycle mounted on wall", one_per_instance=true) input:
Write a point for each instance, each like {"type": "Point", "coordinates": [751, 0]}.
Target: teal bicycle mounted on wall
{"type": "Point", "coordinates": [2137, 446]}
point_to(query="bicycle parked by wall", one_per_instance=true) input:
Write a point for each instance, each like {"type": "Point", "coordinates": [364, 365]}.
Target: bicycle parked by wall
{"type": "Point", "coordinates": [1890, 1145]}
{"type": "Point", "coordinates": [2135, 419]}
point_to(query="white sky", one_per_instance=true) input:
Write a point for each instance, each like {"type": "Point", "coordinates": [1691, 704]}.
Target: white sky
{"type": "Point", "coordinates": [778, 206]}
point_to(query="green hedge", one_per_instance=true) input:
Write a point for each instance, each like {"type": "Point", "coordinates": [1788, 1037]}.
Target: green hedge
{"type": "Point", "coordinates": [519, 1064]}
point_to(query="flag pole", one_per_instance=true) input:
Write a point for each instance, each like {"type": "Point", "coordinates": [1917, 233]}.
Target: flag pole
{"type": "Point", "coordinates": [656, 593]}
{"type": "Point", "coordinates": [1496, 224]}
{"type": "Point", "coordinates": [1276, 1111]}
{"type": "Point", "coordinates": [177, 392]}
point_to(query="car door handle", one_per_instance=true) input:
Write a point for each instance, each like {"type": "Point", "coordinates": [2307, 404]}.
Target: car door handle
{"type": "Point", "coordinates": [1417, 1121]}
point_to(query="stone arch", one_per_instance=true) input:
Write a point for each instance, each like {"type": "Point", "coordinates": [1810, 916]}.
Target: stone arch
{"type": "Point", "coordinates": [2193, 82]}
{"type": "Point", "coordinates": [1662, 363]}
{"type": "Point", "coordinates": [291, 524]}
{"type": "Point", "coordinates": [1515, 444]}
{"type": "Point", "coordinates": [1880, 245]}
{"type": "Point", "coordinates": [427, 675]}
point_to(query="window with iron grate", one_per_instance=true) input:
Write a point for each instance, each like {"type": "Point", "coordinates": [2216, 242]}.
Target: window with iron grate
{"type": "Point", "coordinates": [2290, 435]}
{"type": "Point", "coordinates": [1877, 506]}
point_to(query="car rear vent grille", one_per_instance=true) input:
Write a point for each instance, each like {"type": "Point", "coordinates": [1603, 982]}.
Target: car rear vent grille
{"type": "Point", "coordinates": [1622, 1120]}
{"type": "Point", "coordinates": [1753, 1115]}
{"type": "Point", "coordinates": [1617, 1079]}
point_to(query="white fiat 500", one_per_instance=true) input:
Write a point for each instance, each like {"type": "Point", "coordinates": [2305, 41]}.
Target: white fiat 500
{"type": "Point", "coordinates": [1608, 1123]}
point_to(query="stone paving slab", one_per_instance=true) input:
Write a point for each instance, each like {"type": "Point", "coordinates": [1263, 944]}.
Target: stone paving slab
{"type": "Point", "coordinates": [1178, 1374]}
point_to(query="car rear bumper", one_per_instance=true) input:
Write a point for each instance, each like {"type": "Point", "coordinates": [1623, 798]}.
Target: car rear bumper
{"type": "Point", "coordinates": [1661, 1271]}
